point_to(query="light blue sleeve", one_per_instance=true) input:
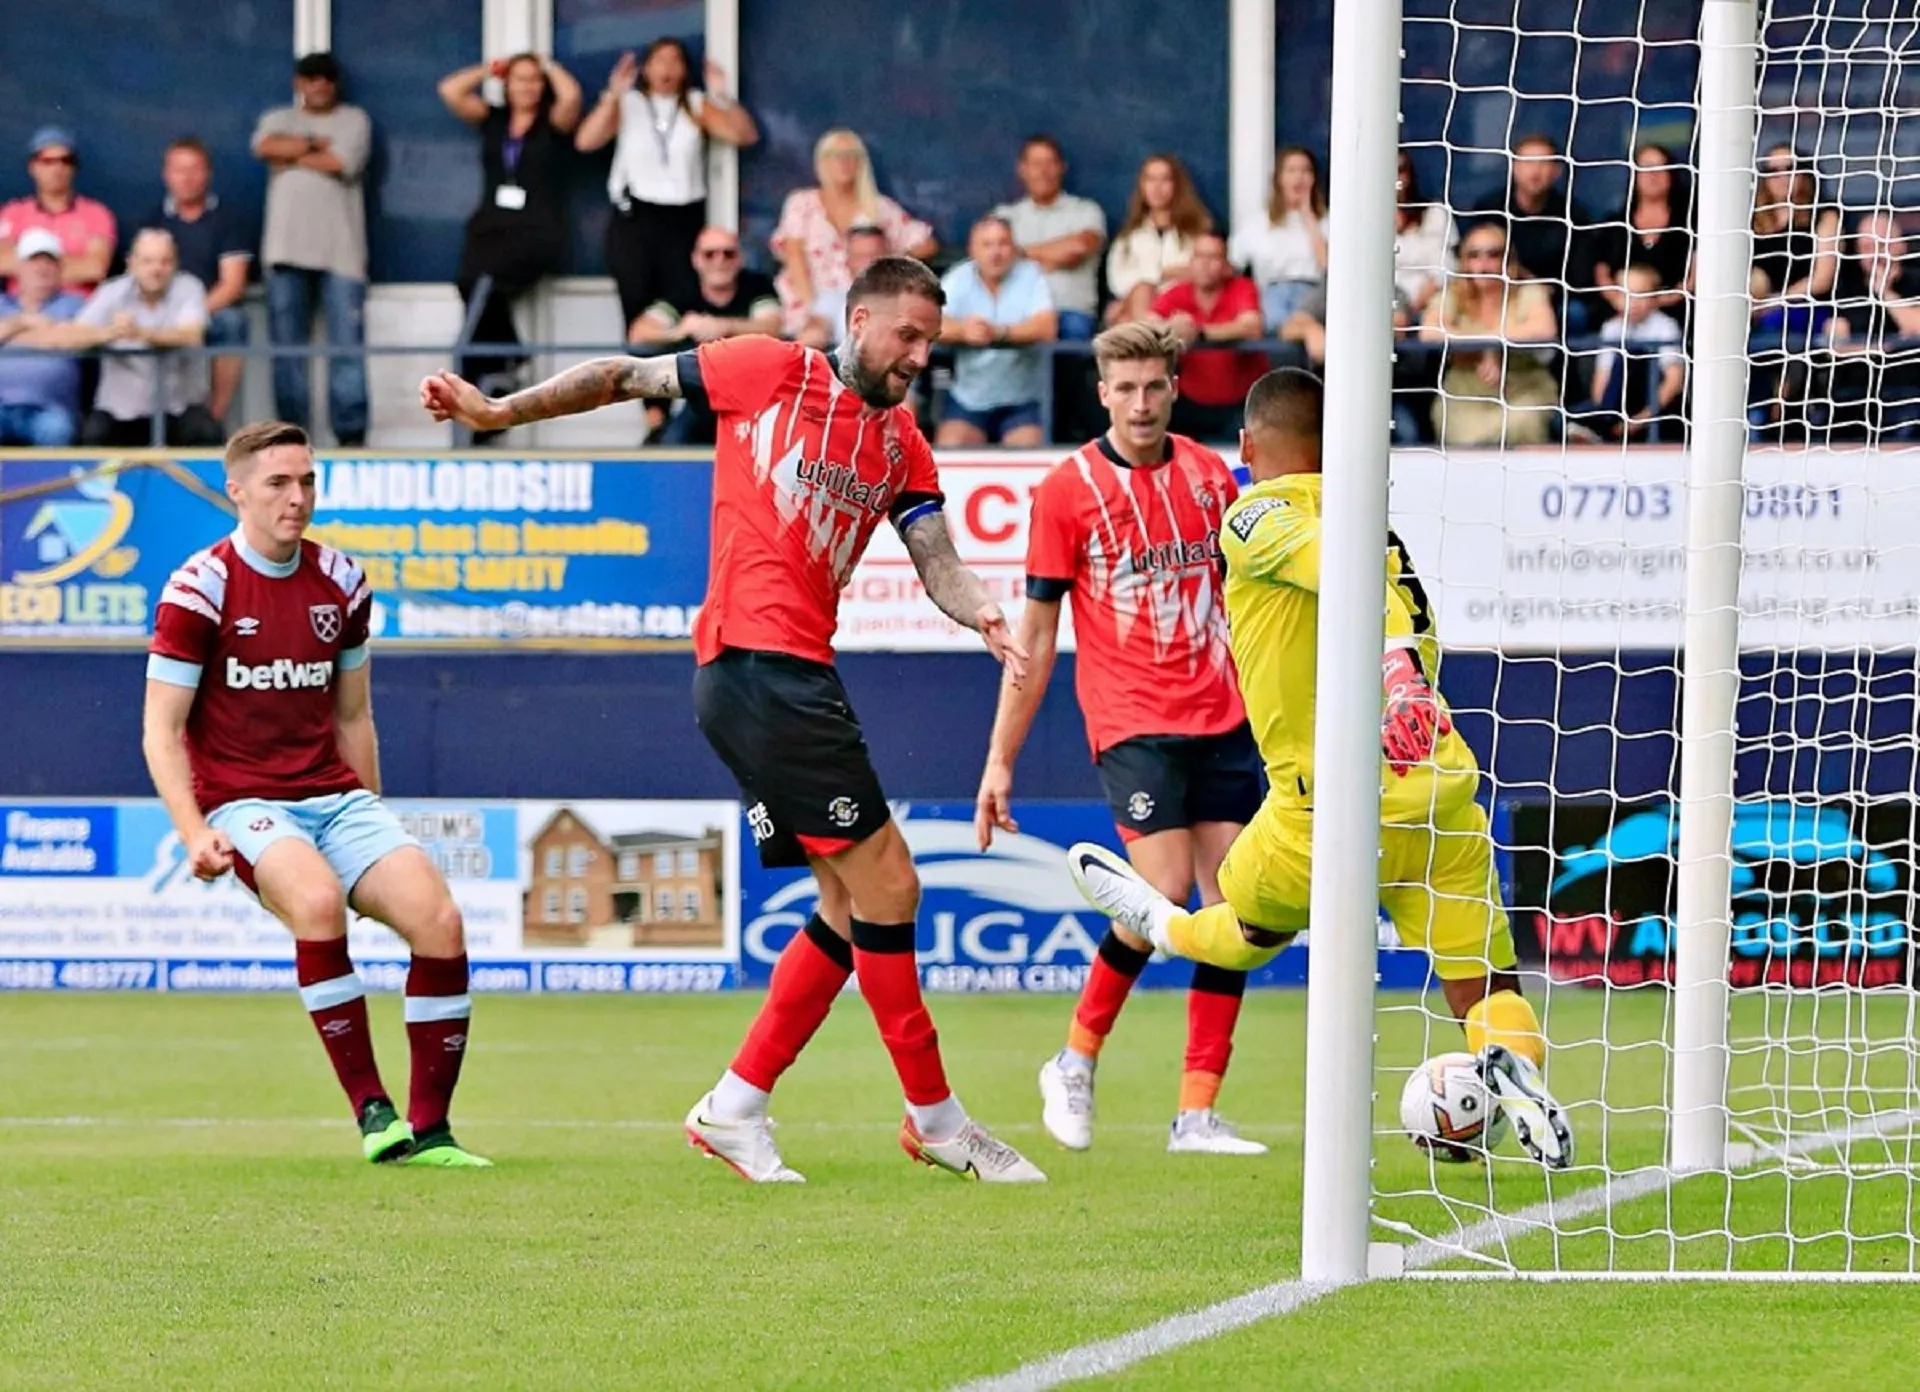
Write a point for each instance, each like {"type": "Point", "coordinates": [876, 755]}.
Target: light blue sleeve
{"type": "Point", "coordinates": [173, 671]}
{"type": "Point", "coordinates": [351, 658]}
{"type": "Point", "coordinates": [1039, 295]}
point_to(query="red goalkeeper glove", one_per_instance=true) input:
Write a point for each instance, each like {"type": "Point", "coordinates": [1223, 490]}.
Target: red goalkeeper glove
{"type": "Point", "coordinates": [1414, 720]}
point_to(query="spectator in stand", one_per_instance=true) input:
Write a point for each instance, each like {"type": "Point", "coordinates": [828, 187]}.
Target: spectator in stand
{"type": "Point", "coordinates": [1150, 253]}
{"type": "Point", "coordinates": [1061, 233]}
{"type": "Point", "coordinates": [811, 240]}
{"type": "Point", "coordinates": [998, 306]}
{"type": "Point", "coordinates": [827, 323]}
{"type": "Point", "coordinates": [1424, 238]}
{"type": "Point", "coordinates": [1876, 372]}
{"type": "Point", "coordinates": [1796, 258]}
{"type": "Point", "coordinates": [1640, 339]}
{"type": "Point", "coordinates": [153, 306]}
{"type": "Point", "coordinates": [1286, 250]}
{"type": "Point", "coordinates": [1213, 305]}
{"type": "Point", "coordinates": [1538, 223]}
{"type": "Point", "coordinates": [214, 248]}
{"type": "Point", "coordinates": [1492, 395]}
{"type": "Point", "coordinates": [518, 234]}
{"type": "Point", "coordinates": [1796, 249]}
{"type": "Point", "coordinates": [315, 243]}
{"type": "Point", "coordinates": [726, 301]}
{"type": "Point", "coordinates": [85, 228]}
{"type": "Point", "coordinates": [1654, 229]}
{"type": "Point", "coordinates": [658, 184]}
{"type": "Point", "coordinates": [39, 393]}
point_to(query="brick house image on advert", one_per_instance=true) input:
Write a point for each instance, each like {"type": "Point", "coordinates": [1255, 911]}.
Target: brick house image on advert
{"type": "Point", "coordinates": [636, 889]}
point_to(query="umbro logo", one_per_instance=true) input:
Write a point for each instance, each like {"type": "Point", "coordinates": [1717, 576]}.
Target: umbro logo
{"type": "Point", "coordinates": [246, 627]}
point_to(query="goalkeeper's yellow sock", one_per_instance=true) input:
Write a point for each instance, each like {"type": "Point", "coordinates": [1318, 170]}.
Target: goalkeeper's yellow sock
{"type": "Point", "coordinates": [1213, 935]}
{"type": "Point", "coordinates": [1505, 1017]}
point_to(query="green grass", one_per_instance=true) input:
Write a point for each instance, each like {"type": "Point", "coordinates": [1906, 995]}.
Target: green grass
{"type": "Point", "coordinates": [201, 1217]}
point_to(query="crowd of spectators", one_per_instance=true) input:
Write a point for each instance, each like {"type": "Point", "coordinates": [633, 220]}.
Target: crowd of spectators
{"type": "Point", "coordinates": [1525, 319]}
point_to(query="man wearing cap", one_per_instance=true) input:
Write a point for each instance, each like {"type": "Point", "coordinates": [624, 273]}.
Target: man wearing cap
{"type": "Point", "coordinates": [39, 393]}
{"type": "Point", "coordinates": [315, 245]}
{"type": "Point", "coordinates": [83, 226]}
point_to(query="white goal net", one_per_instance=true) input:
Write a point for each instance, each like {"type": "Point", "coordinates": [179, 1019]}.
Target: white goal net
{"type": "Point", "coordinates": [1549, 424]}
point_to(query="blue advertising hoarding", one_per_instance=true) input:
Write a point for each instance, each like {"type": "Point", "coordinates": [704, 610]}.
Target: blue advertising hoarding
{"type": "Point", "coordinates": [1006, 919]}
{"type": "Point", "coordinates": [580, 552]}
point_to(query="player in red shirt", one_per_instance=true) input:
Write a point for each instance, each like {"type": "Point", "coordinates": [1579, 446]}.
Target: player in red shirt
{"type": "Point", "coordinates": [812, 453]}
{"type": "Point", "coordinates": [259, 735]}
{"type": "Point", "coordinates": [1129, 526]}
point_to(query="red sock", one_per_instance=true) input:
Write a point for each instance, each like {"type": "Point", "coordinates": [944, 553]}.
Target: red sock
{"type": "Point", "coordinates": [1213, 1008]}
{"type": "Point", "coordinates": [807, 978]}
{"type": "Point", "coordinates": [1114, 971]}
{"type": "Point", "coordinates": [330, 989]}
{"type": "Point", "coordinates": [438, 1011]}
{"type": "Point", "coordinates": [883, 959]}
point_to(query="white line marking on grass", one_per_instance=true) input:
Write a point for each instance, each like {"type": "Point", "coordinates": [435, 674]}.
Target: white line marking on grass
{"type": "Point", "coordinates": [189, 1123]}
{"type": "Point", "coordinates": [1106, 1356]}
{"type": "Point", "coordinates": [1123, 1351]}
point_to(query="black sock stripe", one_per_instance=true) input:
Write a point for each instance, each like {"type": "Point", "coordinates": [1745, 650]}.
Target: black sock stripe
{"type": "Point", "coordinates": [1218, 981]}
{"type": "Point", "coordinates": [1122, 956]}
{"type": "Point", "coordinates": [882, 937]}
{"type": "Point", "coordinates": [837, 948]}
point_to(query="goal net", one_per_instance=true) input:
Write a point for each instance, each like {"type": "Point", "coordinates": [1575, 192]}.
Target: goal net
{"type": "Point", "coordinates": [1550, 422]}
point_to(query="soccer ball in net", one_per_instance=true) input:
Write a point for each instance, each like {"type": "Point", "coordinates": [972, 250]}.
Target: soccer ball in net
{"type": "Point", "coordinates": [1448, 1111]}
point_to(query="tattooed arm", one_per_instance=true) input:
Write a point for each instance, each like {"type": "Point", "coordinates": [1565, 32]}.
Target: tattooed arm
{"type": "Point", "coordinates": [958, 593]}
{"type": "Point", "coordinates": [600, 382]}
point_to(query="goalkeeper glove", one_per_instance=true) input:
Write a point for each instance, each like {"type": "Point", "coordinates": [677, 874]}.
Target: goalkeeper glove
{"type": "Point", "coordinates": [1414, 720]}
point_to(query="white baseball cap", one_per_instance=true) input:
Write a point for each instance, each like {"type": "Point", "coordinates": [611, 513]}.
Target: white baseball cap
{"type": "Point", "coordinates": [37, 241]}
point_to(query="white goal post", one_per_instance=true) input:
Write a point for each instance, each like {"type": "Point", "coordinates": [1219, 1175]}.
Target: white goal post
{"type": "Point", "coordinates": [1759, 1124]}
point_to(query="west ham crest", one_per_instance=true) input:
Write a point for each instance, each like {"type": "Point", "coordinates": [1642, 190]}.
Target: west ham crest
{"type": "Point", "coordinates": [326, 621]}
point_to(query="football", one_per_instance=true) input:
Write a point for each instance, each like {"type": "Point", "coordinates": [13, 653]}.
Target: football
{"type": "Point", "coordinates": [1447, 1110]}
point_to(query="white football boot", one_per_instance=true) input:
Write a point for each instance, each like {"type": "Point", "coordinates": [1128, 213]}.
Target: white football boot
{"type": "Point", "coordinates": [1538, 1120]}
{"type": "Point", "coordinates": [1205, 1132]}
{"type": "Point", "coordinates": [973, 1153]}
{"type": "Point", "coordinates": [746, 1147]}
{"type": "Point", "coordinates": [1118, 891]}
{"type": "Point", "coordinates": [1066, 1102]}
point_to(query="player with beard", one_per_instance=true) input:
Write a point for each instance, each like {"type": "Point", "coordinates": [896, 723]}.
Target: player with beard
{"type": "Point", "coordinates": [813, 452]}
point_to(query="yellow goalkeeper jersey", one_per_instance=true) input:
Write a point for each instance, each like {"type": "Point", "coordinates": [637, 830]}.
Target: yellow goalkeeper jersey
{"type": "Point", "coordinates": [1271, 539]}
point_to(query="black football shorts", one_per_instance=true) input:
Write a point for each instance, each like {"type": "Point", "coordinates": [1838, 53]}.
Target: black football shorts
{"type": "Point", "coordinates": [1165, 782]}
{"type": "Point", "coordinates": [783, 727]}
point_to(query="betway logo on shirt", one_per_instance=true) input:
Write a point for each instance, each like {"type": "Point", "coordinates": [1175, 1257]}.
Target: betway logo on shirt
{"type": "Point", "coordinates": [282, 674]}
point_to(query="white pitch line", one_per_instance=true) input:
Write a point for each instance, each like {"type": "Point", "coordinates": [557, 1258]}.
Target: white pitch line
{"type": "Point", "coordinates": [1125, 1350]}
{"type": "Point", "coordinates": [527, 1123]}
{"type": "Point", "coordinates": [1106, 1356]}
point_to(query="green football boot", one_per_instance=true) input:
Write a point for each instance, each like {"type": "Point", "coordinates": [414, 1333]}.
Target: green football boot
{"type": "Point", "coordinates": [436, 1146]}
{"type": "Point", "coordinates": [384, 1134]}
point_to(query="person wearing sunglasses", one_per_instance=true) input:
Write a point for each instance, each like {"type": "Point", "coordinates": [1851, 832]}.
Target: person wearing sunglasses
{"type": "Point", "coordinates": [84, 226]}
{"type": "Point", "coordinates": [725, 301]}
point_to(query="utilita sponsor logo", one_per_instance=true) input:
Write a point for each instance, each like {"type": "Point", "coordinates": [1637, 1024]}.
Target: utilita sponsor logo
{"type": "Point", "coordinates": [282, 674]}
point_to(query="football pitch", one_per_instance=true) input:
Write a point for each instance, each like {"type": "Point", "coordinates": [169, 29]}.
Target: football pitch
{"type": "Point", "coordinates": [181, 1204]}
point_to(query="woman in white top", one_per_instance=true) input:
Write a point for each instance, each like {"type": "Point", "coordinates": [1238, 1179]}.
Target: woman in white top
{"type": "Point", "coordinates": [658, 184]}
{"type": "Point", "coordinates": [1151, 250]}
{"type": "Point", "coordinates": [1286, 251]}
{"type": "Point", "coordinates": [1424, 237]}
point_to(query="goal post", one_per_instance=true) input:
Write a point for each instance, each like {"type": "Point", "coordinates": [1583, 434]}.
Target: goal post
{"type": "Point", "coordinates": [1710, 660]}
{"type": "Point", "coordinates": [1679, 632]}
{"type": "Point", "coordinates": [1336, 1174]}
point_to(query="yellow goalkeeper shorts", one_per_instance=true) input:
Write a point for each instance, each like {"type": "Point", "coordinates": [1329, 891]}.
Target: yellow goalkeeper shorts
{"type": "Point", "coordinates": [1437, 884]}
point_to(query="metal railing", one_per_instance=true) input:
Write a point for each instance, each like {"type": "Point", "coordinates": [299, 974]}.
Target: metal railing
{"type": "Point", "coordinates": [1419, 359]}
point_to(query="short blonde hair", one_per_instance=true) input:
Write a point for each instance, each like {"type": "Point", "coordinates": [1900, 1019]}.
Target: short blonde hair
{"type": "Point", "coordinates": [250, 440]}
{"type": "Point", "coordinates": [1139, 341]}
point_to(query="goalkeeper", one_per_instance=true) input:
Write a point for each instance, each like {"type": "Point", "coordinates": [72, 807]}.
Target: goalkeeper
{"type": "Point", "coordinates": [1437, 880]}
